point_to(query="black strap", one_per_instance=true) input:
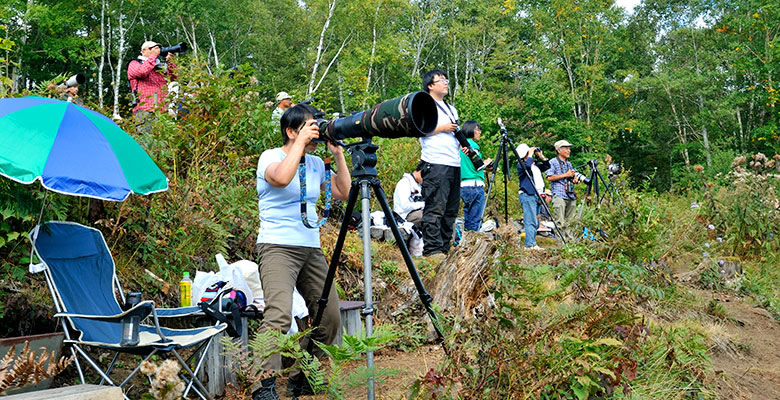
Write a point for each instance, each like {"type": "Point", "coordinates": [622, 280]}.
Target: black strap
{"type": "Point", "coordinates": [450, 114]}
{"type": "Point", "coordinates": [234, 326]}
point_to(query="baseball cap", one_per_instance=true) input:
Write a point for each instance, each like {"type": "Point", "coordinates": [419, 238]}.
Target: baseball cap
{"type": "Point", "coordinates": [282, 95]}
{"type": "Point", "coordinates": [561, 143]}
{"type": "Point", "coordinates": [522, 150]}
{"type": "Point", "coordinates": [149, 44]}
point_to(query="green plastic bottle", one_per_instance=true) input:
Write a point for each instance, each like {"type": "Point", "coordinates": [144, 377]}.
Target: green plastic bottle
{"type": "Point", "coordinates": [185, 290]}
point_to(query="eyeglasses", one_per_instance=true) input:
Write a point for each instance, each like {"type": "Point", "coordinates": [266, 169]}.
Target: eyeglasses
{"type": "Point", "coordinates": [441, 80]}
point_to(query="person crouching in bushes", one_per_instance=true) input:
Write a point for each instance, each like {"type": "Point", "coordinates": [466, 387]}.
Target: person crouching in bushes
{"type": "Point", "coordinates": [528, 195]}
{"type": "Point", "coordinates": [472, 182]}
{"type": "Point", "coordinates": [289, 252]}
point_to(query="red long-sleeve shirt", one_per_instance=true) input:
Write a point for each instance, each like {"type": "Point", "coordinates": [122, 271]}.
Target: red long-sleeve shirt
{"type": "Point", "coordinates": [150, 84]}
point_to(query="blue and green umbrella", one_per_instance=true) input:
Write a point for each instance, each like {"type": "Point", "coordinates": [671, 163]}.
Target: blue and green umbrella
{"type": "Point", "coordinates": [73, 150]}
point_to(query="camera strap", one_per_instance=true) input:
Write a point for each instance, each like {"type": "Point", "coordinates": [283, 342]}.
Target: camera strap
{"type": "Point", "coordinates": [448, 111]}
{"type": "Point", "coordinates": [302, 179]}
{"type": "Point", "coordinates": [568, 185]}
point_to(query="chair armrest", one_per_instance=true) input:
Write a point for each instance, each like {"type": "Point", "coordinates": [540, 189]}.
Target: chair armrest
{"type": "Point", "coordinates": [177, 312]}
{"type": "Point", "coordinates": [142, 309]}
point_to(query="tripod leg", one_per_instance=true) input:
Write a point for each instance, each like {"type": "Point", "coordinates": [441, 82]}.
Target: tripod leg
{"type": "Point", "coordinates": [425, 297]}
{"type": "Point", "coordinates": [368, 306]}
{"type": "Point", "coordinates": [506, 178]}
{"type": "Point", "coordinates": [490, 187]}
{"type": "Point", "coordinates": [322, 302]}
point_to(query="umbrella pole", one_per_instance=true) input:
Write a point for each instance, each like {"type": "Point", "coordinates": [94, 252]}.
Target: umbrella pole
{"type": "Point", "coordinates": [43, 206]}
{"type": "Point", "coordinates": [40, 217]}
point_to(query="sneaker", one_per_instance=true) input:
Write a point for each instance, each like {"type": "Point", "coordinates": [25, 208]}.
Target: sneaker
{"type": "Point", "coordinates": [267, 391]}
{"type": "Point", "coordinates": [535, 248]}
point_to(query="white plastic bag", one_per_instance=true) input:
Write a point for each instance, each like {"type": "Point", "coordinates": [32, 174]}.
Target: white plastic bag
{"type": "Point", "coordinates": [415, 244]}
{"type": "Point", "coordinates": [231, 274]}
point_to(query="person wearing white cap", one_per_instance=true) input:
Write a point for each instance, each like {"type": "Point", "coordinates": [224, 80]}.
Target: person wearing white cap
{"type": "Point", "coordinates": [284, 102]}
{"type": "Point", "coordinates": [562, 180]}
{"type": "Point", "coordinates": [148, 81]}
{"type": "Point", "coordinates": [528, 193]}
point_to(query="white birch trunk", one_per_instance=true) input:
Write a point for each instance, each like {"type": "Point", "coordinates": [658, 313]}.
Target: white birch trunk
{"type": "Point", "coordinates": [373, 53]}
{"type": "Point", "coordinates": [121, 43]}
{"type": "Point", "coordinates": [324, 73]}
{"type": "Point", "coordinates": [102, 63]}
{"type": "Point", "coordinates": [214, 49]}
{"type": "Point", "coordinates": [318, 58]}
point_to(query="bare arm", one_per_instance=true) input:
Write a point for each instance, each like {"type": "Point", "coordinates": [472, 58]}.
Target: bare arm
{"type": "Point", "coordinates": [280, 174]}
{"type": "Point", "coordinates": [341, 182]}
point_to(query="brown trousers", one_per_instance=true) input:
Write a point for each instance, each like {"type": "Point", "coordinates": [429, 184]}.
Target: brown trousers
{"type": "Point", "coordinates": [283, 268]}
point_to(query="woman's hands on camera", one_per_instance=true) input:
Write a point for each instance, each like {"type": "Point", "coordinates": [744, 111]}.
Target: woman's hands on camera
{"type": "Point", "coordinates": [335, 149]}
{"type": "Point", "coordinates": [308, 132]}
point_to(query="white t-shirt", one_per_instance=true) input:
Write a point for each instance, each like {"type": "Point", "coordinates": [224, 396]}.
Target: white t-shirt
{"type": "Point", "coordinates": [538, 180]}
{"type": "Point", "coordinates": [402, 196]}
{"type": "Point", "coordinates": [280, 210]}
{"type": "Point", "coordinates": [442, 148]}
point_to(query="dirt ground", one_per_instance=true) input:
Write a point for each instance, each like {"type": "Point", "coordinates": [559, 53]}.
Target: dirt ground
{"type": "Point", "coordinates": [409, 366]}
{"type": "Point", "coordinates": [749, 367]}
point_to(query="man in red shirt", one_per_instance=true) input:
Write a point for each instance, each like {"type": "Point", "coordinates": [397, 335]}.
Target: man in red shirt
{"type": "Point", "coordinates": [148, 79]}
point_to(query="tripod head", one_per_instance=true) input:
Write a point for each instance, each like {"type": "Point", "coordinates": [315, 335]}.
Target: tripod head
{"type": "Point", "coordinates": [364, 158]}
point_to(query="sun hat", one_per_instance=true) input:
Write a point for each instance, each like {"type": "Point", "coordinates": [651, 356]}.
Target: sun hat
{"type": "Point", "coordinates": [522, 150]}
{"type": "Point", "coordinates": [561, 143]}
{"type": "Point", "coordinates": [149, 44]}
{"type": "Point", "coordinates": [282, 95]}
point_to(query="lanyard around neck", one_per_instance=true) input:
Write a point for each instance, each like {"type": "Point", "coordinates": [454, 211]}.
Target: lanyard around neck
{"type": "Point", "coordinates": [448, 111]}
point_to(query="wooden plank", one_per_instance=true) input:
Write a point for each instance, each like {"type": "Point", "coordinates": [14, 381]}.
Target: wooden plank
{"type": "Point", "coordinates": [80, 392]}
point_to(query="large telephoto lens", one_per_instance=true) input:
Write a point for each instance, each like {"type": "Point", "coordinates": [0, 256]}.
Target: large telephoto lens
{"type": "Point", "coordinates": [411, 115]}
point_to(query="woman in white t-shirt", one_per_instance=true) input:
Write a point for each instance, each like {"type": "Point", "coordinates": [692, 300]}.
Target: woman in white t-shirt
{"type": "Point", "coordinates": [289, 252]}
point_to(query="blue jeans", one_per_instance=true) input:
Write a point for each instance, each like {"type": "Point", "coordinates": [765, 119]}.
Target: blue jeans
{"type": "Point", "coordinates": [530, 223]}
{"type": "Point", "coordinates": [473, 200]}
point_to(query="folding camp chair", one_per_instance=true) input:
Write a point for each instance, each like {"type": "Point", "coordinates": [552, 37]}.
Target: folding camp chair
{"type": "Point", "coordinates": [80, 274]}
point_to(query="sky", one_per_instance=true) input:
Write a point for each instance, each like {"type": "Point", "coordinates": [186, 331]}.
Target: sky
{"type": "Point", "coordinates": [627, 4]}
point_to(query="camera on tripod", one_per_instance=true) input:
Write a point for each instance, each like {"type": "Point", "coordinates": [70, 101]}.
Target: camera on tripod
{"type": "Point", "coordinates": [614, 169]}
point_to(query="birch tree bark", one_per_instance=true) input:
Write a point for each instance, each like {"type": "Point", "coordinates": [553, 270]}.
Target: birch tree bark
{"type": "Point", "coordinates": [102, 63]}
{"type": "Point", "coordinates": [320, 48]}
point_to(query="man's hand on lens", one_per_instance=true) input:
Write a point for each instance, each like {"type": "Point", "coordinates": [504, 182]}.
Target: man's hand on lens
{"type": "Point", "coordinates": [451, 127]}
{"type": "Point", "coordinates": [569, 174]}
{"type": "Point", "coordinates": [169, 57]}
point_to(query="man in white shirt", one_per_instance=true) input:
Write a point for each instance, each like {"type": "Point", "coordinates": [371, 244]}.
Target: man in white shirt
{"type": "Point", "coordinates": [285, 101]}
{"type": "Point", "coordinates": [440, 166]}
{"type": "Point", "coordinates": [407, 197]}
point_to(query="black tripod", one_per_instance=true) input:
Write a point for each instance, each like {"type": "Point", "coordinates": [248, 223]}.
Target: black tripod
{"type": "Point", "coordinates": [502, 157]}
{"type": "Point", "coordinates": [364, 173]}
{"type": "Point", "coordinates": [592, 184]}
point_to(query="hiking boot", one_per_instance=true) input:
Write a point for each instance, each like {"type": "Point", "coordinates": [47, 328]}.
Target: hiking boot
{"type": "Point", "coordinates": [298, 385]}
{"type": "Point", "coordinates": [267, 391]}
